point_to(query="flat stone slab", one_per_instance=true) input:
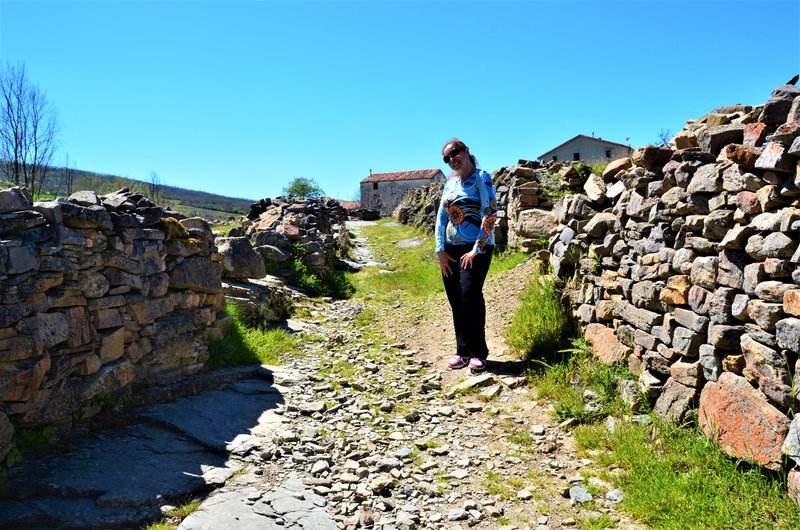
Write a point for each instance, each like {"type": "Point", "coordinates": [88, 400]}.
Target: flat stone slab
{"type": "Point", "coordinates": [215, 419]}
{"type": "Point", "coordinates": [111, 480]}
{"type": "Point", "coordinates": [119, 478]}
{"type": "Point", "coordinates": [298, 508]}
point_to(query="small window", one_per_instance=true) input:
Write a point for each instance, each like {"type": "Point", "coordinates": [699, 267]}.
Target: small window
{"type": "Point", "coordinates": [576, 156]}
{"type": "Point", "coordinates": [374, 185]}
{"type": "Point", "coordinates": [608, 153]}
{"type": "Point", "coordinates": [555, 158]}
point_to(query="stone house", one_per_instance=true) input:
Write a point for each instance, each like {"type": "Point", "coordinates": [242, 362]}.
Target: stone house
{"type": "Point", "coordinates": [384, 191]}
{"type": "Point", "coordinates": [587, 148]}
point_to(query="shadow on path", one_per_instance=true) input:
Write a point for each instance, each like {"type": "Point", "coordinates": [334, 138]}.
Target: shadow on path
{"type": "Point", "coordinates": [120, 477]}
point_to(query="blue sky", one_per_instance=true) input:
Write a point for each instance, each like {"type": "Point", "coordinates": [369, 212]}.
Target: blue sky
{"type": "Point", "coordinates": [239, 98]}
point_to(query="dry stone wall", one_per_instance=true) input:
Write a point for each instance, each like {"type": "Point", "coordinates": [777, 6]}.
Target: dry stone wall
{"type": "Point", "coordinates": [688, 258]}
{"type": "Point", "coordinates": [97, 293]}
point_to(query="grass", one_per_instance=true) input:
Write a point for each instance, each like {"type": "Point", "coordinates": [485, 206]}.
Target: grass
{"type": "Point", "coordinates": [597, 167]}
{"type": "Point", "coordinates": [675, 477]}
{"type": "Point", "coordinates": [600, 522]}
{"type": "Point", "coordinates": [332, 283]}
{"type": "Point", "coordinates": [504, 260]}
{"type": "Point", "coordinates": [540, 325]}
{"type": "Point", "coordinates": [173, 518]}
{"type": "Point", "coordinates": [564, 384]}
{"type": "Point", "coordinates": [222, 229]}
{"type": "Point", "coordinates": [413, 271]}
{"type": "Point", "coordinates": [243, 344]}
{"type": "Point", "coordinates": [409, 273]}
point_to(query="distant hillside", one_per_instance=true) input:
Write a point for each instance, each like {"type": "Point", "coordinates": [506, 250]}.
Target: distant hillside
{"type": "Point", "coordinates": [188, 202]}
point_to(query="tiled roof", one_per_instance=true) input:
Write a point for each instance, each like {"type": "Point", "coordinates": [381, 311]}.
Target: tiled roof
{"type": "Point", "coordinates": [599, 140]}
{"type": "Point", "coordinates": [402, 175]}
{"type": "Point", "coordinates": [350, 205]}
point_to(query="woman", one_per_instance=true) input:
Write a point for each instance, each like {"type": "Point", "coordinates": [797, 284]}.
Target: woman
{"type": "Point", "coordinates": [464, 244]}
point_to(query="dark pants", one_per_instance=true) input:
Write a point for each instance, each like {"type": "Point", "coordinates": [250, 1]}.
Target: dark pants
{"type": "Point", "coordinates": [464, 288]}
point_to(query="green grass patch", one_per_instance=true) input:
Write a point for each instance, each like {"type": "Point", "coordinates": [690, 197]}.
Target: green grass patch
{"type": "Point", "coordinates": [597, 167]}
{"type": "Point", "coordinates": [564, 384]}
{"type": "Point", "coordinates": [504, 260]}
{"type": "Point", "coordinates": [408, 272]}
{"type": "Point", "coordinates": [675, 477]}
{"type": "Point", "coordinates": [222, 229]}
{"type": "Point", "coordinates": [540, 324]}
{"type": "Point", "coordinates": [496, 484]}
{"type": "Point", "coordinates": [243, 344]}
{"type": "Point", "coordinates": [523, 438]}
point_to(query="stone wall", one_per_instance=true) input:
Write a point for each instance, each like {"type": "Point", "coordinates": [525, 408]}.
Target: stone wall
{"type": "Point", "coordinates": [97, 293]}
{"type": "Point", "coordinates": [688, 266]}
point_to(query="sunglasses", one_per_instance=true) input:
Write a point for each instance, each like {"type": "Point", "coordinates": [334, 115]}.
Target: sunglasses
{"type": "Point", "coordinates": [452, 154]}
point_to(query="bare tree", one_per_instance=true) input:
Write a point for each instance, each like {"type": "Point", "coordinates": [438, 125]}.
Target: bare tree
{"type": "Point", "coordinates": [154, 187]}
{"type": "Point", "coordinates": [664, 136]}
{"type": "Point", "coordinates": [28, 129]}
{"type": "Point", "coordinates": [68, 176]}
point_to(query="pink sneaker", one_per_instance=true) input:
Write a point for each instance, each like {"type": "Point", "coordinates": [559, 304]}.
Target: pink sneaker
{"type": "Point", "coordinates": [458, 362]}
{"type": "Point", "coordinates": [477, 365]}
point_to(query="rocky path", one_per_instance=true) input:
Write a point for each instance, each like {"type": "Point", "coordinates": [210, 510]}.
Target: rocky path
{"type": "Point", "coordinates": [363, 428]}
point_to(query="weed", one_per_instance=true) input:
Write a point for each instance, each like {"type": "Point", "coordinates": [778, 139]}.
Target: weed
{"type": "Point", "coordinates": [173, 518]}
{"type": "Point", "coordinates": [242, 344]}
{"type": "Point", "coordinates": [599, 522]}
{"type": "Point", "coordinates": [522, 438]}
{"type": "Point", "coordinates": [540, 324]}
{"type": "Point", "coordinates": [565, 383]}
{"type": "Point", "coordinates": [494, 484]}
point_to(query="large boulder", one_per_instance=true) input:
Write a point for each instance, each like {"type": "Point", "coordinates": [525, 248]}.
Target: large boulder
{"type": "Point", "coordinates": [742, 421]}
{"type": "Point", "coordinates": [535, 222]}
{"type": "Point", "coordinates": [239, 260]}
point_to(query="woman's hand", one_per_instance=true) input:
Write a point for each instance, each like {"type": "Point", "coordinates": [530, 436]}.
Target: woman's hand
{"type": "Point", "coordinates": [466, 259]}
{"type": "Point", "coordinates": [444, 262]}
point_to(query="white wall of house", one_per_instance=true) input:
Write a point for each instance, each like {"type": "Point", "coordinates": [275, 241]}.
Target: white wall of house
{"type": "Point", "coordinates": [587, 149]}
{"type": "Point", "coordinates": [385, 196]}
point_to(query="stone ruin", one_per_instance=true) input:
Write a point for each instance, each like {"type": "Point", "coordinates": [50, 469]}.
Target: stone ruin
{"type": "Point", "coordinates": [257, 254]}
{"type": "Point", "coordinates": [687, 257]}
{"type": "Point", "coordinates": [98, 293]}
{"type": "Point", "coordinates": [316, 225]}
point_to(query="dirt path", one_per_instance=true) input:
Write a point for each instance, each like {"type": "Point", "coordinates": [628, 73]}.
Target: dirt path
{"type": "Point", "coordinates": [527, 462]}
